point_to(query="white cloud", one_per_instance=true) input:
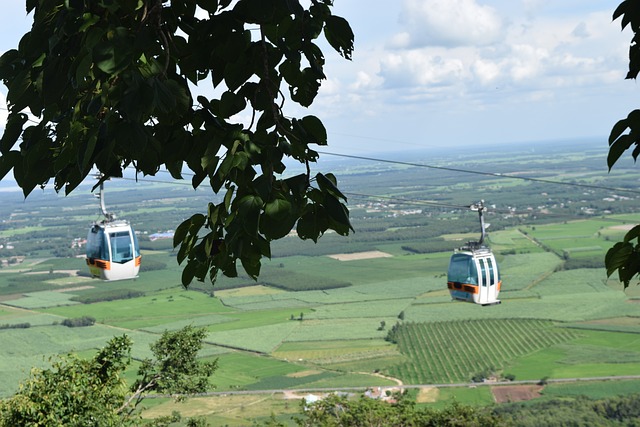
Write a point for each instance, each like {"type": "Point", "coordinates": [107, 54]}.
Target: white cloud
{"type": "Point", "coordinates": [420, 68]}
{"type": "Point", "coordinates": [486, 71]}
{"type": "Point", "coordinates": [542, 55]}
{"type": "Point", "coordinates": [581, 31]}
{"type": "Point", "coordinates": [448, 23]}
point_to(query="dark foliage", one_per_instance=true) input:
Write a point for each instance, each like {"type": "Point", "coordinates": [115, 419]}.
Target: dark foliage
{"type": "Point", "coordinates": [16, 325]}
{"type": "Point", "coordinates": [617, 411]}
{"type": "Point", "coordinates": [79, 322]}
{"type": "Point", "coordinates": [108, 295]}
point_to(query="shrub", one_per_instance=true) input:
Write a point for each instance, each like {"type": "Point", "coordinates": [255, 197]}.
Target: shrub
{"type": "Point", "coordinates": [79, 322]}
{"type": "Point", "coordinates": [15, 326]}
{"type": "Point", "coordinates": [110, 295]}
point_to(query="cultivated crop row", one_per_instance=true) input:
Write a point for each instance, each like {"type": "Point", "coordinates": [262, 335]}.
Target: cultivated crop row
{"type": "Point", "coordinates": [450, 352]}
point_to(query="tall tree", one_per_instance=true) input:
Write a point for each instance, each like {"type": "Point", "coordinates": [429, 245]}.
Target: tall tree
{"type": "Point", "coordinates": [624, 257]}
{"type": "Point", "coordinates": [91, 392]}
{"type": "Point", "coordinates": [112, 84]}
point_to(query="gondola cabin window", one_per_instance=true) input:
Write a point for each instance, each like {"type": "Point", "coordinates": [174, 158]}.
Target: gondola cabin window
{"type": "Point", "coordinates": [121, 246]}
{"type": "Point", "coordinates": [97, 247]}
{"type": "Point", "coordinates": [462, 269]}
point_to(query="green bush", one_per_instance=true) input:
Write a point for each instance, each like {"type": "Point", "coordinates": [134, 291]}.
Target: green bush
{"type": "Point", "coordinates": [109, 295]}
{"type": "Point", "coordinates": [16, 325]}
{"type": "Point", "coordinates": [79, 322]}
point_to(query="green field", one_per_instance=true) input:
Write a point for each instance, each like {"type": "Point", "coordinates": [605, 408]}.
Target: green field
{"type": "Point", "coordinates": [452, 352]}
{"type": "Point", "coordinates": [314, 321]}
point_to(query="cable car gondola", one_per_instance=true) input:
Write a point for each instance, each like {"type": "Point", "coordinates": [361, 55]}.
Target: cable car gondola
{"type": "Point", "coordinates": [473, 274]}
{"type": "Point", "coordinates": [112, 247]}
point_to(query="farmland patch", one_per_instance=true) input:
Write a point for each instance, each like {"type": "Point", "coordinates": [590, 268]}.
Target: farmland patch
{"type": "Point", "coordinates": [335, 352]}
{"type": "Point", "coordinates": [261, 339]}
{"type": "Point", "coordinates": [303, 374]}
{"type": "Point", "coordinates": [516, 393]}
{"type": "Point", "coordinates": [427, 395]}
{"type": "Point", "coordinates": [360, 256]}
{"type": "Point", "coordinates": [448, 352]}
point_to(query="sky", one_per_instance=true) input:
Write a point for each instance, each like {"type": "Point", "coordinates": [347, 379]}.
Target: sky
{"type": "Point", "coordinates": [438, 73]}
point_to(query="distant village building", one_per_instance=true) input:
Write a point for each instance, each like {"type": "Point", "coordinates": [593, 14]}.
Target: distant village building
{"type": "Point", "coordinates": [158, 236]}
{"type": "Point", "coordinates": [78, 242]}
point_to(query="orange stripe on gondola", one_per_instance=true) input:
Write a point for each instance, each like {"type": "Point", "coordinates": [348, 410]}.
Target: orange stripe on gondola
{"type": "Point", "coordinates": [101, 264]}
{"type": "Point", "coordinates": [138, 261]}
{"type": "Point", "coordinates": [463, 287]}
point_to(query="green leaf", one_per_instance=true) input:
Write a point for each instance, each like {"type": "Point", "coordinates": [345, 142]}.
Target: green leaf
{"type": "Point", "coordinates": [228, 196]}
{"type": "Point", "coordinates": [339, 214]}
{"type": "Point", "coordinates": [617, 257]}
{"type": "Point", "coordinates": [315, 129]}
{"type": "Point", "coordinates": [617, 130]}
{"type": "Point", "coordinates": [328, 185]}
{"type": "Point", "coordinates": [231, 104]}
{"type": "Point", "coordinates": [278, 219]}
{"type": "Point", "coordinates": [191, 226]}
{"type": "Point", "coordinates": [189, 272]}
{"type": "Point", "coordinates": [114, 54]}
{"type": "Point", "coordinates": [278, 209]}
{"type": "Point", "coordinates": [252, 266]}
{"type": "Point", "coordinates": [632, 234]}
{"type": "Point", "coordinates": [12, 131]}
{"type": "Point", "coordinates": [7, 162]}
{"type": "Point", "coordinates": [185, 248]}
{"type": "Point", "coordinates": [20, 91]}
{"type": "Point", "coordinates": [249, 208]}
{"type": "Point", "coordinates": [312, 224]}
{"type": "Point", "coordinates": [89, 20]}
{"type": "Point", "coordinates": [621, 10]}
{"type": "Point", "coordinates": [339, 35]}
{"type": "Point", "coordinates": [618, 148]}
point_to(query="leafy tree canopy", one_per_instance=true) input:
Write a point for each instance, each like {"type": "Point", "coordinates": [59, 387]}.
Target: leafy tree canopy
{"type": "Point", "coordinates": [112, 85]}
{"type": "Point", "coordinates": [91, 392]}
{"type": "Point", "coordinates": [624, 257]}
{"type": "Point", "coordinates": [342, 411]}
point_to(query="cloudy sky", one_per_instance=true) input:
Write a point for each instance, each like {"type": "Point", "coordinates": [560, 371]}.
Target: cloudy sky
{"type": "Point", "coordinates": [432, 73]}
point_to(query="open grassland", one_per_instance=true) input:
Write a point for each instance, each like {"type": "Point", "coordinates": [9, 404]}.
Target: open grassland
{"type": "Point", "coordinates": [245, 320]}
{"type": "Point", "coordinates": [526, 270]}
{"type": "Point", "coordinates": [592, 389]}
{"type": "Point", "coordinates": [337, 329]}
{"type": "Point", "coordinates": [232, 411]}
{"type": "Point", "coordinates": [238, 370]}
{"type": "Point", "coordinates": [150, 310]}
{"type": "Point", "coordinates": [261, 339]}
{"type": "Point", "coordinates": [629, 324]}
{"type": "Point", "coordinates": [43, 299]}
{"type": "Point", "coordinates": [473, 396]}
{"type": "Point", "coordinates": [335, 351]}
{"type": "Point", "coordinates": [591, 354]}
{"type": "Point", "coordinates": [452, 352]}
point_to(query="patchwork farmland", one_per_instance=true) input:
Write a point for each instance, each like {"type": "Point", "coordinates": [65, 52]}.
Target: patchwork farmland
{"type": "Point", "coordinates": [367, 310]}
